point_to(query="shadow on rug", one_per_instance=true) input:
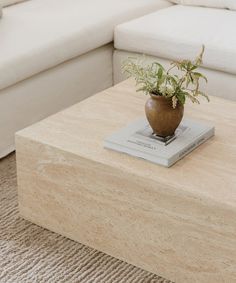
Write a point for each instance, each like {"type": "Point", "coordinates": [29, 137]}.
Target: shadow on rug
{"type": "Point", "coordinates": [29, 253]}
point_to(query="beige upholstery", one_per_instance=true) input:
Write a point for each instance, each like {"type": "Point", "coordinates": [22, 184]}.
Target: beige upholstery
{"type": "Point", "coordinates": [40, 34]}
{"type": "Point", "coordinates": [48, 92]}
{"type": "Point", "coordinates": [165, 34]}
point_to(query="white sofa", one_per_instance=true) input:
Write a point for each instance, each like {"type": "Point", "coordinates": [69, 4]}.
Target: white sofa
{"type": "Point", "coordinates": [54, 53]}
{"type": "Point", "coordinates": [178, 32]}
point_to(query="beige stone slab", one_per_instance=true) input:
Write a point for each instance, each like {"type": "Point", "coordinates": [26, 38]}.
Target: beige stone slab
{"type": "Point", "coordinates": [178, 222]}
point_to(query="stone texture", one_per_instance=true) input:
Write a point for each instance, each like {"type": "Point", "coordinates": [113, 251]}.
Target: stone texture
{"type": "Point", "coordinates": [178, 222]}
{"type": "Point", "coordinates": [31, 254]}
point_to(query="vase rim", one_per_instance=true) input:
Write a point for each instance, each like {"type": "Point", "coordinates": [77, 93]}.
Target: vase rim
{"type": "Point", "coordinates": [160, 97]}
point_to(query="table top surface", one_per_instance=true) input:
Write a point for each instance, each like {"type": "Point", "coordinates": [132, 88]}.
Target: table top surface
{"type": "Point", "coordinates": [209, 171]}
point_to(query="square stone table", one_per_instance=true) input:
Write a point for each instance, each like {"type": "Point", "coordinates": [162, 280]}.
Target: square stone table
{"type": "Point", "coordinates": [177, 222]}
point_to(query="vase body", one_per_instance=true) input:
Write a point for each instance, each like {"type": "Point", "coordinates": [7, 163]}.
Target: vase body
{"type": "Point", "coordinates": [162, 117]}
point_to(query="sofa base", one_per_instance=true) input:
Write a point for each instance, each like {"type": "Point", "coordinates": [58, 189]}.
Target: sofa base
{"type": "Point", "coordinates": [49, 92]}
{"type": "Point", "coordinates": [219, 83]}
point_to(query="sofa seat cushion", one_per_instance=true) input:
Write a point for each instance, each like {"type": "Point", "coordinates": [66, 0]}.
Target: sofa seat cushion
{"type": "Point", "coordinates": [178, 33]}
{"type": "Point", "coordinates": [40, 34]}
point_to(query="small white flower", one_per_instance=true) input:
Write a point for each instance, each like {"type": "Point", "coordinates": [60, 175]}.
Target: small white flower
{"type": "Point", "coordinates": [162, 88]}
{"type": "Point", "coordinates": [174, 102]}
{"type": "Point", "coordinates": [166, 89]}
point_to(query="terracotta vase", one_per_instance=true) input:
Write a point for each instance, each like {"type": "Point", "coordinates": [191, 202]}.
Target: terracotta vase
{"type": "Point", "coordinates": [162, 117]}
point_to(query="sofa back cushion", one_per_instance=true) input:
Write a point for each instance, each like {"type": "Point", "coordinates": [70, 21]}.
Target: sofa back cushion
{"type": "Point", "coordinates": [6, 3]}
{"type": "Point", "coordinates": [221, 4]}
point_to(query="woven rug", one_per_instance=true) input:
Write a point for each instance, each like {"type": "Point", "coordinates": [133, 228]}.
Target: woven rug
{"type": "Point", "coordinates": [29, 253]}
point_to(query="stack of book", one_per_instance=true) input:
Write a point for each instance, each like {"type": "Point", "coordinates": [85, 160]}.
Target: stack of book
{"type": "Point", "coordinates": [137, 139]}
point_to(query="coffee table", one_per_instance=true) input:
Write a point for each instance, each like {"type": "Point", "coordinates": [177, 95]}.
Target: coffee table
{"type": "Point", "coordinates": [178, 222]}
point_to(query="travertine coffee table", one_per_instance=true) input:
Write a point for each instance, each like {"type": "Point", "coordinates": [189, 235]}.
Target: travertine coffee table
{"type": "Point", "coordinates": [178, 222]}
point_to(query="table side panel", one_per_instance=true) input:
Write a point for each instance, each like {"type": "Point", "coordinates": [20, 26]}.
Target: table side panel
{"type": "Point", "coordinates": [151, 225]}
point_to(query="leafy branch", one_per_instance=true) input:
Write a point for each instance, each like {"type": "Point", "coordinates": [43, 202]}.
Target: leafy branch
{"type": "Point", "coordinates": [153, 78]}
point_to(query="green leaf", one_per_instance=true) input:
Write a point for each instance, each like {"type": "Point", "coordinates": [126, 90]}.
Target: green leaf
{"type": "Point", "coordinates": [204, 95]}
{"type": "Point", "coordinates": [160, 73]}
{"type": "Point", "coordinates": [194, 67]}
{"type": "Point", "coordinates": [199, 75]}
{"type": "Point", "coordinates": [181, 97]}
{"type": "Point", "coordinates": [192, 98]}
{"type": "Point", "coordinates": [158, 64]}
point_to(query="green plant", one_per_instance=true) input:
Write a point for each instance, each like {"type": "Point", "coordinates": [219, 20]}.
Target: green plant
{"type": "Point", "coordinates": [155, 79]}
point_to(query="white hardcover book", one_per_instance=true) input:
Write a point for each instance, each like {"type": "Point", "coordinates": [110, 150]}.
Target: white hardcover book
{"type": "Point", "coordinates": [137, 139]}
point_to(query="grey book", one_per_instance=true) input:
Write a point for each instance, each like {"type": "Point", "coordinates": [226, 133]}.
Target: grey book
{"type": "Point", "coordinates": [137, 139]}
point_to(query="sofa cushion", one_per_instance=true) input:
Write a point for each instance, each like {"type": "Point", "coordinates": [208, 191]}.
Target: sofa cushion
{"type": "Point", "coordinates": [178, 33]}
{"type": "Point", "coordinates": [222, 4]}
{"type": "Point", "coordinates": [40, 34]}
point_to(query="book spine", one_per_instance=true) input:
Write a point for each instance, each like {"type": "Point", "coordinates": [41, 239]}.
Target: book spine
{"type": "Point", "coordinates": [191, 147]}
{"type": "Point", "coordinates": [136, 153]}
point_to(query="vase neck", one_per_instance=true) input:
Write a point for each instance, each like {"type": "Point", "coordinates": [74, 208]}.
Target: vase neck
{"type": "Point", "coordinates": [161, 99]}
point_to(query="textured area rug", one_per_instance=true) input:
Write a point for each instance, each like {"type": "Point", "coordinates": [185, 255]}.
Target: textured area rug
{"type": "Point", "coordinates": [29, 253]}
